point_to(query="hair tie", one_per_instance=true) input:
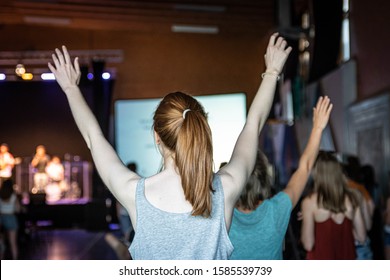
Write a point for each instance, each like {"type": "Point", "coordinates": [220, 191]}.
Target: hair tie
{"type": "Point", "coordinates": [185, 112]}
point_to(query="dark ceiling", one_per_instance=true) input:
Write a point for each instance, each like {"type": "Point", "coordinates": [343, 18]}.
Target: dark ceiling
{"type": "Point", "coordinates": [145, 15]}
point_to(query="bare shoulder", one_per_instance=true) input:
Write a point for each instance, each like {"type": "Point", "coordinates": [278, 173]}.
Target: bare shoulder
{"type": "Point", "coordinates": [126, 195]}
{"type": "Point", "coordinates": [310, 202]}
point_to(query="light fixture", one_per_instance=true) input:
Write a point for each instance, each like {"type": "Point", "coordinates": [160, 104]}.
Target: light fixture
{"type": "Point", "coordinates": [20, 70]}
{"type": "Point", "coordinates": [106, 76]}
{"type": "Point", "coordinates": [27, 76]}
{"type": "Point", "coordinates": [90, 76]}
{"type": "Point", "coordinates": [47, 76]}
{"type": "Point", "coordinates": [203, 29]}
{"type": "Point", "coordinates": [2, 76]}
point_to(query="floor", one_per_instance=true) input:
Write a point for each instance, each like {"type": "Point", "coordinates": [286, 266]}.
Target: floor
{"type": "Point", "coordinates": [65, 232]}
{"type": "Point", "coordinates": [65, 244]}
{"type": "Point", "coordinates": [46, 243]}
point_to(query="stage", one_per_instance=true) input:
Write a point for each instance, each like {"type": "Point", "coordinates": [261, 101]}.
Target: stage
{"type": "Point", "coordinates": [91, 214]}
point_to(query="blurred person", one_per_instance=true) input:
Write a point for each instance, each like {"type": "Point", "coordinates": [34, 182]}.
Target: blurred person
{"type": "Point", "coordinates": [56, 186]}
{"type": "Point", "coordinates": [352, 170]}
{"type": "Point", "coordinates": [9, 207]}
{"type": "Point", "coordinates": [185, 210]}
{"type": "Point", "coordinates": [39, 163]}
{"type": "Point", "coordinates": [331, 215]}
{"type": "Point", "coordinates": [55, 170]}
{"type": "Point", "coordinates": [375, 235]}
{"type": "Point", "coordinates": [7, 163]}
{"type": "Point", "coordinates": [260, 220]}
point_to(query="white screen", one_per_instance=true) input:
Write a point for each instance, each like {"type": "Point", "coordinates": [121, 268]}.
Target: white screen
{"type": "Point", "coordinates": [134, 136]}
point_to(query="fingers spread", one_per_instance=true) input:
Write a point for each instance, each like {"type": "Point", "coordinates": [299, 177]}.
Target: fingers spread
{"type": "Point", "coordinates": [51, 67]}
{"type": "Point", "coordinates": [272, 39]}
{"type": "Point", "coordinates": [60, 56]}
{"type": "Point", "coordinates": [283, 44]}
{"type": "Point", "coordinates": [319, 102]}
{"type": "Point", "coordinates": [329, 108]}
{"type": "Point", "coordinates": [279, 42]}
{"type": "Point", "coordinates": [288, 50]}
{"type": "Point", "coordinates": [55, 60]}
{"type": "Point", "coordinates": [66, 54]}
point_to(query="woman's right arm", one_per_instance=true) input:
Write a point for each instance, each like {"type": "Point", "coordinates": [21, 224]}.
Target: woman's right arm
{"type": "Point", "coordinates": [113, 172]}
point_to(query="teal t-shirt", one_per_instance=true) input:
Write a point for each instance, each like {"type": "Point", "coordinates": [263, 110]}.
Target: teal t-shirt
{"type": "Point", "coordinates": [259, 235]}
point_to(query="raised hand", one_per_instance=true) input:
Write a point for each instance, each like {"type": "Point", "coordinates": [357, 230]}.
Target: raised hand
{"type": "Point", "coordinates": [66, 73]}
{"type": "Point", "coordinates": [276, 54]}
{"type": "Point", "coordinates": [321, 112]}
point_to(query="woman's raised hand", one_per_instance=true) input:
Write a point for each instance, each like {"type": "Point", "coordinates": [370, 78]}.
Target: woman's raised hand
{"type": "Point", "coordinates": [277, 54]}
{"type": "Point", "coordinates": [66, 73]}
{"type": "Point", "coordinates": [321, 112]}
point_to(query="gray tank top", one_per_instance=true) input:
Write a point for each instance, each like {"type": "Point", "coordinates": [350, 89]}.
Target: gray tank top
{"type": "Point", "coordinates": [162, 235]}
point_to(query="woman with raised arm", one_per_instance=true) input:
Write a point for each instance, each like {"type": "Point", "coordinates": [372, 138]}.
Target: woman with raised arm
{"type": "Point", "coordinates": [331, 216]}
{"type": "Point", "coordinates": [260, 220]}
{"type": "Point", "coordinates": [184, 211]}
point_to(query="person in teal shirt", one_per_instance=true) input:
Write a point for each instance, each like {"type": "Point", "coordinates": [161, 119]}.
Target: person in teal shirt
{"type": "Point", "coordinates": [260, 220]}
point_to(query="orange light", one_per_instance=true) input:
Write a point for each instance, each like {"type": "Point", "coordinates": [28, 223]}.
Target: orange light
{"type": "Point", "coordinates": [27, 76]}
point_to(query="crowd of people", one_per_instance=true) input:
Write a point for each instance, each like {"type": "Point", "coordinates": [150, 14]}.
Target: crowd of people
{"type": "Point", "coordinates": [189, 211]}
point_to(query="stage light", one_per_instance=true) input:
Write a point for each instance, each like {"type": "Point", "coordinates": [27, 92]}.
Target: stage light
{"type": "Point", "coordinates": [90, 76]}
{"type": "Point", "coordinates": [20, 70]}
{"type": "Point", "coordinates": [2, 77]}
{"type": "Point", "coordinates": [106, 76]}
{"type": "Point", "coordinates": [27, 76]}
{"type": "Point", "coordinates": [48, 76]}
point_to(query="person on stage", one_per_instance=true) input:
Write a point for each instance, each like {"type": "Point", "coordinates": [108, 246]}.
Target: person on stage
{"type": "Point", "coordinates": [39, 162]}
{"type": "Point", "coordinates": [7, 163]}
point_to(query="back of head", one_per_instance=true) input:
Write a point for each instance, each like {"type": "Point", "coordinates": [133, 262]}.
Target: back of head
{"type": "Point", "coordinates": [181, 123]}
{"type": "Point", "coordinates": [4, 147]}
{"type": "Point", "coordinates": [330, 184]}
{"type": "Point", "coordinates": [258, 187]}
{"type": "Point", "coordinates": [7, 189]}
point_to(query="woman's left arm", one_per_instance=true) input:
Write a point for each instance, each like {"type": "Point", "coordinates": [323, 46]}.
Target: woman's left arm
{"type": "Point", "coordinates": [307, 230]}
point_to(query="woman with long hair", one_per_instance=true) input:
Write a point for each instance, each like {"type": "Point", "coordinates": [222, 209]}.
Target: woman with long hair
{"type": "Point", "coordinates": [331, 216]}
{"type": "Point", "coordinates": [184, 211]}
{"type": "Point", "coordinates": [260, 218]}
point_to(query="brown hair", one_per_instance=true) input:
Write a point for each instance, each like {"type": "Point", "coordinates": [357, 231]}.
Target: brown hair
{"type": "Point", "coordinates": [188, 136]}
{"type": "Point", "coordinates": [258, 186]}
{"type": "Point", "coordinates": [330, 184]}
